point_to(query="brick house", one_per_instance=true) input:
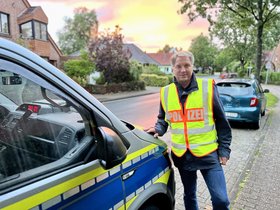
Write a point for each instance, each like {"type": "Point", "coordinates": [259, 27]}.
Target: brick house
{"type": "Point", "coordinates": [138, 55]}
{"type": "Point", "coordinates": [275, 58]}
{"type": "Point", "coordinates": [164, 61]}
{"type": "Point", "coordinates": [27, 25]}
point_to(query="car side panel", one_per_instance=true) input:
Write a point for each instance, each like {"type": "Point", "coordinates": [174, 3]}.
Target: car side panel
{"type": "Point", "coordinates": [69, 189]}
{"type": "Point", "coordinates": [151, 171]}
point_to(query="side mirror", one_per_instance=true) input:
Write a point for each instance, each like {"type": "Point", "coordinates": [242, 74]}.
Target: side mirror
{"type": "Point", "coordinates": [266, 91]}
{"type": "Point", "coordinates": [114, 150]}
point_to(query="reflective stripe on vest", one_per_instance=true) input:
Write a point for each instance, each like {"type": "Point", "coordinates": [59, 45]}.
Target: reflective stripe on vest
{"type": "Point", "coordinates": [192, 146]}
{"type": "Point", "coordinates": [193, 127]}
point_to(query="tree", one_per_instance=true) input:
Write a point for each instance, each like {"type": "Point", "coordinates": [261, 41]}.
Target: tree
{"type": "Point", "coordinates": [78, 31]}
{"type": "Point", "coordinates": [165, 49]}
{"type": "Point", "coordinates": [204, 51]}
{"type": "Point", "coordinates": [168, 49]}
{"type": "Point", "coordinates": [110, 58]}
{"type": "Point", "coordinates": [79, 69]}
{"type": "Point", "coordinates": [224, 58]}
{"type": "Point", "coordinates": [235, 36]}
{"type": "Point", "coordinates": [258, 13]}
{"type": "Point", "coordinates": [271, 35]}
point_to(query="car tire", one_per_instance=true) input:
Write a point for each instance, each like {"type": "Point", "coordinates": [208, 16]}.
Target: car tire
{"type": "Point", "coordinates": [150, 207]}
{"type": "Point", "coordinates": [257, 124]}
{"type": "Point", "coordinates": [263, 113]}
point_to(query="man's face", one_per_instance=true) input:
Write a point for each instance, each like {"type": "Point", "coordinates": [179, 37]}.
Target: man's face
{"type": "Point", "coordinates": [182, 70]}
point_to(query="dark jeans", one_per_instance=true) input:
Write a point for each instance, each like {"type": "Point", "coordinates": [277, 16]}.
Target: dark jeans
{"type": "Point", "coordinates": [215, 181]}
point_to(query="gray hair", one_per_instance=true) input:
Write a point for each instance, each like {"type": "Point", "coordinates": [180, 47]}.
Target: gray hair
{"type": "Point", "coordinates": [181, 54]}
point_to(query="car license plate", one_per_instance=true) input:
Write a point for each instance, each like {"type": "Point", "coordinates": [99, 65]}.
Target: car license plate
{"type": "Point", "coordinates": [231, 114]}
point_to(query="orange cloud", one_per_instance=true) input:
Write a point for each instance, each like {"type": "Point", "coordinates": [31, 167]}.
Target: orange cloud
{"type": "Point", "coordinates": [148, 24]}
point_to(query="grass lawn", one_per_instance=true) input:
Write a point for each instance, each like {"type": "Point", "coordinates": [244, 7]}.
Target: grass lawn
{"type": "Point", "coordinates": [271, 100]}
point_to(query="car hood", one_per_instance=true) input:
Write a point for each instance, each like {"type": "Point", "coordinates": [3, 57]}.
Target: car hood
{"type": "Point", "coordinates": [143, 135]}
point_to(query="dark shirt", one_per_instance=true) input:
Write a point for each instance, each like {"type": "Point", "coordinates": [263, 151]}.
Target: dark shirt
{"type": "Point", "coordinates": [189, 161]}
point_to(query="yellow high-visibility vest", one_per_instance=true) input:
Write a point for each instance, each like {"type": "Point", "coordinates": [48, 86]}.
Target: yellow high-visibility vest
{"type": "Point", "coordinates": [192, 126]}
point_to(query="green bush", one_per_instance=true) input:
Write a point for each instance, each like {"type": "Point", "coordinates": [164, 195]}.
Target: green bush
{"type": "Point", "coordinates": [135, 70]}
{"type": "Point", "coordinates": [153, 70]}
{"type": "Point", "coordinates": [100, 80]}
{"type": "Point", "coordinates": [170, 78]}
{"type": "Point", "coordinates": [234, 66]}
{"type": "Point", "coordinates": [116, 87]}
{"type": "Point", "coordinates": [154, 80]}
{"type": "Point", "coordinates": [241, 73]}
{"type": "Point", "coordinates": [273, 77]}
{"type": "Point", "coordinates": [79, 69]}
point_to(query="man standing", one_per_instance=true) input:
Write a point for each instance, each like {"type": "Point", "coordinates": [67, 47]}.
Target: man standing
{"type": "Point", "coordinates": [200, 132]}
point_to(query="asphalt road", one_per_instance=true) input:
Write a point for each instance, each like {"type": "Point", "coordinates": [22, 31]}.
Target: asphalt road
{"type": "Point", "coordinates": [140, 110]}
{"type": "Point", "coordinates": [143, 110]}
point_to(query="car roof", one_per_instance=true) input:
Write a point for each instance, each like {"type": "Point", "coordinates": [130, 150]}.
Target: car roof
{"type": "Point", "coordinates": [237, 80]}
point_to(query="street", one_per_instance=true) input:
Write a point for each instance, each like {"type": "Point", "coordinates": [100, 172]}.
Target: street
{"type": "Point", "coordinates": [140, 111]}
{"type": "Point", "coordinates": [143, 110]}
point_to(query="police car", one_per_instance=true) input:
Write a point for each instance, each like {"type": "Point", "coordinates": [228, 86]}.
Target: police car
{"type": "Point", "coordinates": [60, 148]}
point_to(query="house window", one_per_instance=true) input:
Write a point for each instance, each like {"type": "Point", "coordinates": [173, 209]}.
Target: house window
{"type": "Point", "coordinates": [45, 58]}
{"type": "Point", "coordinates": [26, 30]}
{"type": "Point", "coordinates": [40, 30]}
{"type": "Point", "coordinates": [34, 29]}
{"type": "Point", "coordinates": [4, 23]}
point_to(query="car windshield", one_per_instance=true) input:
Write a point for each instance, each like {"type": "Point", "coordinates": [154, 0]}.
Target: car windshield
{"type": "Point", "coordinates": [5, 100]}
{"type": "Point", "coordinates": [234, 89]}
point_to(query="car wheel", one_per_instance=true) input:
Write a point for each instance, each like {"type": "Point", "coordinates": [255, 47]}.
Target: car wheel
{"type": "Point", "coordinates": [257, 124]}
{"type": "Point", "coordinates": [263, 113]}
{"type": "Point", "coordinates": [150, 207]}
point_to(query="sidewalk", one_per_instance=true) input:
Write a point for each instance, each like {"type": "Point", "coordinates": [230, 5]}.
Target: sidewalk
{"type": "Point", "coordinates": [122, 95]}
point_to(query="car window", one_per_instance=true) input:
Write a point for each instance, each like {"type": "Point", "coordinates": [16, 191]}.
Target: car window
{"type": "Point", "coordinates": [38, 126]}
{"type": "Point", "coordinates": [234, 89]}
{"type": "Point", "coordinates": [258, 87]}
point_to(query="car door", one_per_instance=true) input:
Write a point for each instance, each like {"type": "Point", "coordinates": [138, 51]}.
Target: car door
{"type": "Point", "coordinates": [49, 141]}
{"type": "Point", "coordinates": [261, 96]}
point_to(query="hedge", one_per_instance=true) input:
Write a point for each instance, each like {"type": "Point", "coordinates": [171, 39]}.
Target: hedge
{"type": "Point", "coordinates": [154, 80]}
{"type": "Point", "coordinates": [273, 78]}
{"type": "Point", "coordinates": [115, 88]}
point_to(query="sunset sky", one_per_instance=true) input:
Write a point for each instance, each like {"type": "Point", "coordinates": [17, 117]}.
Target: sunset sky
{"type": "Point", "coordinates": [148, 24]}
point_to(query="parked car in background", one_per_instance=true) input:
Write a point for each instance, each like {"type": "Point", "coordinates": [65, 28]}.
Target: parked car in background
{"type": "Point", "coordinates": [243, 100]}
{"type": "Point", "coordinates": [60, 148]}
{"type": "Point", "coordinates": [225, 75]}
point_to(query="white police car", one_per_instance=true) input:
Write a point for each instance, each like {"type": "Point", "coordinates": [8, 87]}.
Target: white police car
{"type": "Point", "coordinates": [60, 148]}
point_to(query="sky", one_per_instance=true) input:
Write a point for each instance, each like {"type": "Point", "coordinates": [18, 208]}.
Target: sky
{"type": "Point", "coordinates": [150, 24]}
